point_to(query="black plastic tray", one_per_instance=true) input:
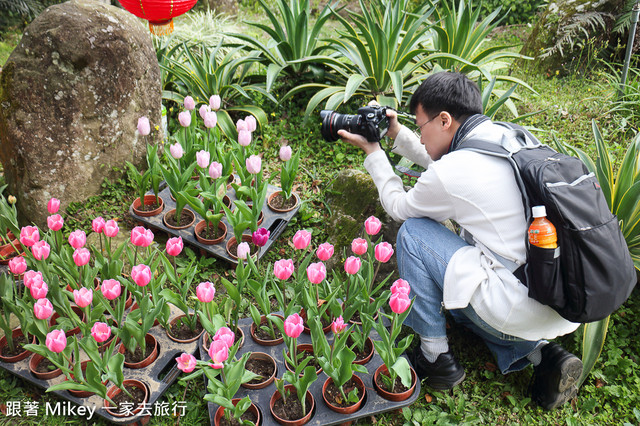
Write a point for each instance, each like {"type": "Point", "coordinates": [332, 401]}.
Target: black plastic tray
{"type": "Point", "coordinates": [373, 403]}
{"type": "Point", "coordinates": [275, 222]}
{"type": "Point", "coordinates": [158, 376]}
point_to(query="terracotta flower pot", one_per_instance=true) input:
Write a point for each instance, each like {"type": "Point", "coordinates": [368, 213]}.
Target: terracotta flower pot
{"type": "Point", "coordinates": [200, 226]}
{"type": "Point", "coordinates": [16, 333]}
{"type": "Point", "coordinates": [245, 238]}
{"type": "Point", "coordinates": [391, 396]}
{"type": "Point", "coordinates": [265, 342]}
{"type": "Point", "coordinates": [151, 342]}
{"type": "Point", "coordinates": [35, 360]}
{"type": "Point", "coordinates": [370, 349]}
{"type": "Point", "coordinates": [348, 409]}
{"type": "Point", "coordinates": [266, 381]}
{"type": "Point", "coordinates": [7, 252]}
{"type": "Point", "coordinates": [303, 347]}
{"type": "Point", "coordinates": [114, 391]}
{"type": "Point", "coordinates": [149, 199]}
{"type": "Point", "coordinates": [310, 402]}
{"type": "Point", "coordinates": [220, 412]}
{"type": "Point", "coordinates": [172, 213]}
{"type": "Point", "coordinates": [176, 339]}
{"type": "Point", "coordinates": [75, 330]}
{"type": "Point", "coordinates": [272, 206]}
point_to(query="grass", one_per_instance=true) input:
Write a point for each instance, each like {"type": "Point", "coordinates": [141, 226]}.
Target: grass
{"type": "Point", "coordinates": [610, 395]}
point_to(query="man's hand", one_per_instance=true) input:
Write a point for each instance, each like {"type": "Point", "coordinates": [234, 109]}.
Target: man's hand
{"type": "Point", "coordinates": [359, 141]}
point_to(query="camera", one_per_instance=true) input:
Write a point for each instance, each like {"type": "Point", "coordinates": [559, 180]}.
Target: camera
{"type": "Point", "coordinates": [370, 122]}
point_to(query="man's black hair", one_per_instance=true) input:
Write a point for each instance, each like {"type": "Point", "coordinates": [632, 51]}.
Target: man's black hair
{"type": "Point", "coordinates": [448, 91]}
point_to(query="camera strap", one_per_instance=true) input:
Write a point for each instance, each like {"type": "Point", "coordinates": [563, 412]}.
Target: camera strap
{"type": "Point", "coordinates": [402, 169]}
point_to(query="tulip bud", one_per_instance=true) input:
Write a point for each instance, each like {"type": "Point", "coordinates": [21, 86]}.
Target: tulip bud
{"type": "Point", "coordinates": [189, 103]}
{"type": "Point", "coordinates": [144, 128]}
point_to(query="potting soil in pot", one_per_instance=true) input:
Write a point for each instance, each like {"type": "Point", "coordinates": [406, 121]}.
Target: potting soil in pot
{"type": "Point", "coordinates": [398, 387]}
{"type": "Point", "coordinates": [248, 415]}
{"type": "Point", "coordinates": [265, 335]}
{"type": "Point", "coordinates": [261, 367]}
{"type": "Point", "coordinates": [289, 409]}
{"type": "Point", "coordinates": [181, 331]}
{"type": "Point", "coordinates": [137, 355]}
{"type": "Point", "coordinates": [17, 347]}
{"type": "Point", "coordinates": [333, 395]}
{"type": "Point", "coordinates": [137, 398]}
{"type": "Point", "coordinates": [279, 202]}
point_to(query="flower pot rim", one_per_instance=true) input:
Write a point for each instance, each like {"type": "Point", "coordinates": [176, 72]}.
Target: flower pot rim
{"type": "Point", "coordinates": [201, 225]}
{"type": "Point", "coordinates": [293, 194]}
{"type": "Point", "coordinates": [172, 211]}
{"type": "Point", "coordinates": [310, 407]}
{"type": "Point", "coordinates": [266, 382]}
{"type": "Point", "coordinates": [253, 328]}
{"type": "Point", "coordinates": [391, 396]}
{"type": "Point", "coordinates": [16, 332]}
{"type": "Point", "coordinates": [146, 361]}
{"type": "Point", "coordinates": [135, 206]}
{"type": "Point", "coordinates": [350, 408]}
{"type": "Point", "coordinates": [175, 339]}
{"type": "Point", "coordinates": [114, 390]}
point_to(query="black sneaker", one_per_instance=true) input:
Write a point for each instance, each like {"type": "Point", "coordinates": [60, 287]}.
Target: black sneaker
{"type": "Point", "coordinates": [555, 378]}
{"type": "Point", "coordinates": [443, 374]}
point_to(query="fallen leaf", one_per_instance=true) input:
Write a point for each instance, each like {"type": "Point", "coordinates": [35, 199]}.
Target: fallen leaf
{"type": "Point", "coordinates": [489, 366]}
{"type": "Point", "coordinates": [428, 398]}
{"type": "Point", "coordinates": [599, 383]}
{"type": "Point", "coordinates": [505, 394]}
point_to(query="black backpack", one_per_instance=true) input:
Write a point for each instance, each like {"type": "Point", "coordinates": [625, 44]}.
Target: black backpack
{"type": "Point", "coordinates": [591, 273]}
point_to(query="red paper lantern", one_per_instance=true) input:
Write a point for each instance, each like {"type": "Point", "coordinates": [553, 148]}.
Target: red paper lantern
{"type": "Point", "coordinates": [159, 13]}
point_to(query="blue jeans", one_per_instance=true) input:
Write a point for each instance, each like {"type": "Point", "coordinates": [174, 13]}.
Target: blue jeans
{"type": "Point", "coordinates": [424, 248]}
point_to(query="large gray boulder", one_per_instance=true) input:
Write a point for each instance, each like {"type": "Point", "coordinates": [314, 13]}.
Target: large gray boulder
{"type": "Point", "coordinates": [71, 94]}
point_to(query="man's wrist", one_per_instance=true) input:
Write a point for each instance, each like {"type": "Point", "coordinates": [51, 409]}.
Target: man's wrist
{"type": "Point", "coordinates": [371, 148]}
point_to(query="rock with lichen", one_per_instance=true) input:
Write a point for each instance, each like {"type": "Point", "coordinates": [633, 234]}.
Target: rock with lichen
{"type": "Point", "coordinates": [71, 94]}
{"type": "Point", "coordinates": [352, 198]}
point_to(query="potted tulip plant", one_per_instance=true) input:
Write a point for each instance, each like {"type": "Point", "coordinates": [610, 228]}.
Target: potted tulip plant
{"type": "Point", "coordinates": [343, 391]}
{"type": "Point", "coordinates": [179, 181]}
{"type": "Point", "coordinates": [285, 200]}
{"type": "Point", "coordinates": [395, 366]}
{"type": "Point", "coordinates": [239, 219]}
{"type": "Point", "coordinates": [12, 344]}
{"type": "Point", "coordinates": [266, 326]}
{"type": "Point", "coordinates": [300, 379]}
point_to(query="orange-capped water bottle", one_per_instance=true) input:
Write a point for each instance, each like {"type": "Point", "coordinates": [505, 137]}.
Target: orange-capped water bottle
{"type": "Point", "coordinates": [542, 233]}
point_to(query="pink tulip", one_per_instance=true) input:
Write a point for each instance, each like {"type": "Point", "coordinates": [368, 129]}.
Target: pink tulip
{"type": "Point", "coordinates": [241, 125]}
{"type": "Point", "coordinates": [225, 335]}
{"type": "Point", "coordinates": [97, 225]}
{"type": "Point", "coordinates": [352, 265]}
{"type": "Point", "coordinates": [81, 256]}
{"type": "Point", "coordinates": [215, 170]}
{"type": "Point", "coordinates": [42, 309]}
{"type": "Point", "coordinates": [55, 222]}
{"type": "Point", "coordinates": [176, 150]}
{"type": "Point", "coordinates": [53, 206]}
{"type": "Point", "coordinates": [372, 225]}
{"type": "Point", "coordinates": [203, 110]}
{"type": "Point", "coordinates": [111, 228]}
{"type": "Point", "coordinates": [324, 252]}
{"type": "Point", "coordinates": [316, 272]}
{"type": "Point", "coordinates": [338, 325]}
{"type": "Point", "coordinates": [202, 158]}
{"type": "Point", "coordinates": [189, 103]}
{"type": "Point", "coordinates": [399, 302]}
{"type": "Point", "coordinates": [205, 292]}
{"type": "Point", "coordinates": [285, 153]}
{"type": "Point", "coordinates": [260, 237]}
{"type": "Point", "coordinates": [400, 286]}
{"type": "Point", "coordinates": [111, 289]}
{"type": "Point", "coordinates": [32, 277]}
{"type": "Point", "coordinates": [186, 362]}
{"type": "Point", "coordinates": [243, 250]}
{"type": "Point", "coordinates": [29, 235]}
{"type": "Point", "coordinates": [383, 252]}
{"type": "Point", "coordinates": [141, 275]}
{"type": "Point", "coordinates": [39, 290]}
{"type": "Point", "coordinates": [141, 237]}
{"type": "Point", "coordinates": [56, 341]}
{"type": "Point", "coordinates": [174, 246]}
{"type": "Point", "coordinates": [359, 246]}
{"type": "Point", "coordinates": [41, 250]}
{"type": "Point", "coordinates": [184, 118]}
{"type": "Point", "coordinates": [77, 239]}
{"type": "Point", "coordinates": [83, 297]}
{"type": "Point", "coordinates": [219, 352]}
{"type": "Point", "coordinates": [301, 239]}
{"type": "Point", "coordinates": [293, 326]}
{"type": "Point", "coordinates": [214, 102]}
{"type": "Point", "coordinates": [251, 123]}
{"type": "Point", "coordinates": [244, 138]}
{"type": "Point", "coordinates": [210, 120]}
{"type": "Point", "coordinates": [100, 332]}
{"type": "Point", "coordinates": [144, 128]}
{"type": "Point", "coordinates": [283, 269]}
{"type": "Point", "coordinates": [18, 265]}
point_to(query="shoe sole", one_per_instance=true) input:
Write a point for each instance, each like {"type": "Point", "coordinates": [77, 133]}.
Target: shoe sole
{"type": "Point", "coordinates": [561, 398]}
{"type": "Point", "coordinates": [568, 374]}
{"type": "Point", "coordinates": [437, 384]}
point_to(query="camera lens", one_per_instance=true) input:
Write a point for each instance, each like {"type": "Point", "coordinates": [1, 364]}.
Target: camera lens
{"type": "Point", "coordinates": [333, 121]}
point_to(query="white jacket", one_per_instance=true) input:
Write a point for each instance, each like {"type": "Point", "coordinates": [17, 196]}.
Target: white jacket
{"type": "Point", "coordinates": [480, 193]}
